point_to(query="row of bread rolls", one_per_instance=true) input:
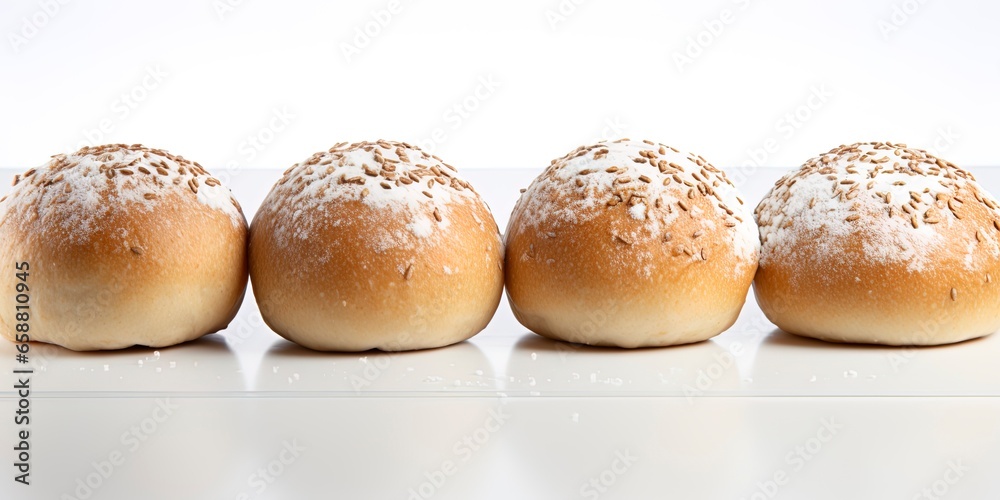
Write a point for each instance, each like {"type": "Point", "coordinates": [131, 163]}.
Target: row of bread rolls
{"type": "Point", "coordinates": [379, 245]}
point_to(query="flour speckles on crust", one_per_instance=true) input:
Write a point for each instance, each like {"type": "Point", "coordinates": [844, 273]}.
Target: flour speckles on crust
{"type": "Point", "coordinates": [396, 177]}
{"type": "Point", "coordinates": [654, 183]}
{"type": "Point", "coordinates": [86, 187]}
{"type": "Point", "coordinates": [894, 199]}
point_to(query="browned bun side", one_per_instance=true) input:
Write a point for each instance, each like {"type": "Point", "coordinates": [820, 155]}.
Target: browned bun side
{"type": "Point", "coordinates": [342, 260]}
{"type": "Point", "coordinates": [908, 257]}
{"type": "Point", "coordinates": [630, 244]}
{"type": "Point", "coordinates": [122, 249]}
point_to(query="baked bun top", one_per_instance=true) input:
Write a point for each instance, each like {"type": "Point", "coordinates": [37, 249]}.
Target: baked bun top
{"type": "Point", "coordinates": [653, 184]}
{"type": "Point", "coordinates": [84, 193]}
{"type": "Point", "coordinates": [389, 178]}
{"type": "Point", "coordinates": [900, 206]}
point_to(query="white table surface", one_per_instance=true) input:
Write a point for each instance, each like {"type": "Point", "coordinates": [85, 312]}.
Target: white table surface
{"type": "Point", "coordinates": [753, 413]}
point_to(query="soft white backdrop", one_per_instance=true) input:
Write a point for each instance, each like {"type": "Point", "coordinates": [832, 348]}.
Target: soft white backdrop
{"type": "Point", "coordinates": [252, 83]}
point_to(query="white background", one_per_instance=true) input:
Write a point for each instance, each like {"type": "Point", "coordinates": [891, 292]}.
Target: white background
{"type": "Point", "coordinates": [564, 74]}
{"type": "Point", "coordinates": [205, 80]}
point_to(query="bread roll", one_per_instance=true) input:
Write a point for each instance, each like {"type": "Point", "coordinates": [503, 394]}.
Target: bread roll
{"type": "Point", "coordinates": [375, 245]}
{"type": "Point", "coordinates": [630, 244]}
{"type": "Point", "coordinates": [125, 245]}
{"type": "Point", "coordinates": [880, 243]}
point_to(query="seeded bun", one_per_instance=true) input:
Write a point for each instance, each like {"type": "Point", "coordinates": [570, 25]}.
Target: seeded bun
{"type": "Point", "coordinates": [879, 243]}
{"type": "Point", "coordinates": [375, 245]}
{"type": "Point", "coordinates": [125, 245]}
{"type": "Point", "coordinates": [630, 244]}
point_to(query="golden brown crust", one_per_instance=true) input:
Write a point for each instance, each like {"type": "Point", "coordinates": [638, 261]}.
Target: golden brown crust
{"type": "Point", "coordinates": [145, 275]}
{"type": "Point", "coordinates": [361, 279]}
{"type": "Point", "coordinates": [601, 276]}
{"type": "Point", "coordinates": [844, 288]}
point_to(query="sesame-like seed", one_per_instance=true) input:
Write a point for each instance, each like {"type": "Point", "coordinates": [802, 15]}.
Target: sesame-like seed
{"type": "Point", "coordinates": [144, 170]}
{"type": "Point", "coordinates": [697, 233]}
{"type": "Point", "coordinates": [136, 250]}
{"type": "Point", "coordinates": [162, 171]}
{"type": "Point", "coordinates": [954, 294]}
{"type": "Point", "coordinates": [645, 179]}
{"type": "Point", "coordinates": [979, 236]}
{"type": "Point", "coordinates": [623, 239]}
{"type": "Point", "coordinates": [704, 254]}
{"type": "Point", "coordinates": [365, 192]}
{"type": "Point", "coordinates": [149, 196]}
{"type": "Point", "coordinates": [913, 220]}
{"type": "Point", "coordinates": [683, 205]}
{"type": "Point", "coordinates": [667, 237]}
{"type": "Point", "coordinates": [853, 217]}
{"type": "Point", "coordinates": [408, 273]}
{"type": "Point", "coordinates": [427, 194]}
{"type": "Point", "coordinates": [385, 185]}
{"type": "Point", "coordinates": [437, 215]}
